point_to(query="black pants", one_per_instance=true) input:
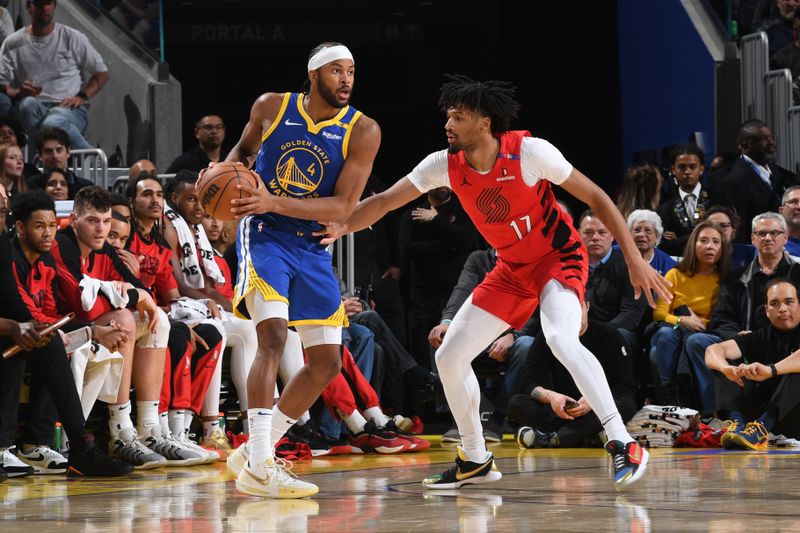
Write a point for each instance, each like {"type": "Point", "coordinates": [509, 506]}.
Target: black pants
{"type": "Point", "coordinates": [778, 397]}
{"type": "Point", "coordinates": [530, 412]}
{"type": "Point", "coordinates": [50, 370]}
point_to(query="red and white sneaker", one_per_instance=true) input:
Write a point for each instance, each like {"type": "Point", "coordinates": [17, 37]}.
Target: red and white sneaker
{"type": "Point", "coordinates": [375, 439]}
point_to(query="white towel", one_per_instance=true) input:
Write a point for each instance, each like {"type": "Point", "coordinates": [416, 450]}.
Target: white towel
{"type": "Point", "coordinates": [190, 239]}
{"type": "Point", "coordinates": [91, 288]}
{"type": "Point", "coordinates": [97, 373]}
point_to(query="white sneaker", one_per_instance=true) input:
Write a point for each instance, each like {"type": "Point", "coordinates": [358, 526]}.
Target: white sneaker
{"type": "Point", "coordinates": [238, 459]}
{"type": "Point", "coordinates": [44, 460]}
{"type": "Point", "coordinates": [12, 465]}
{"type": "Point", "coordinates": [185, 440]}
{"type": "Point", "coordinates": [279, 482]}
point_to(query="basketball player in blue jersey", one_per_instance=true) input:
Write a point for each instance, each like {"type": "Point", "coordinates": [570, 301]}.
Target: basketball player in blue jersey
{"type": "Point", "coordinates": [314, 154]}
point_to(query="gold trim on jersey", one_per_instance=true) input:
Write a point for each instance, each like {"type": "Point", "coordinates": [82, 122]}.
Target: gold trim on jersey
{"type": "Point", "coordinates": [339, 318]}
{"type": "Point", "coordinates": [347, 131]}
{"type": "Point", "coordinates": [315, 128]}
{"type": "Point", "coordinates": [254, 282]}
{"type": "Point", "coordinates": [277, 120]}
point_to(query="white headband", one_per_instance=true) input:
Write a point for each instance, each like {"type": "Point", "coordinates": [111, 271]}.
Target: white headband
{"type": "Point", "coordinates": [326, 55]}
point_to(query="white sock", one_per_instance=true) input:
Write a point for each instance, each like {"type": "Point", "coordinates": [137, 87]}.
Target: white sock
{"type": "Point", "coordinates": [355, 422]}
{"type": "Point", "coordinates": [177, 421]}
{"type": "Point", "coordinates": [147, 423]}
{"type": "Point", "coordinates": [280, 425]}
{"type": "Point", "coordinates": [259, 445]}
{"type": "Point", "coordinates": [209, 426]}
{"type": "Point", "coordinates": [305, 417]}
{"type": "Point", "coordinates": [188, 417]}
{"type": "Point", "coordinates": [119, 419]}
{"type": "Point", "coordinates": [163, 420]}
{"type": "Point", "coordinates": [561, 318]}
{"type": "Point", "coordinates": [375, 413]}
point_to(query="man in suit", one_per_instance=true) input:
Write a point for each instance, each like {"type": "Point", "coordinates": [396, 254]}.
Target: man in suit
{"type": "Point", "coordinates": [680, 214]}
{"type": "Point", "coordinates": [755, 184]}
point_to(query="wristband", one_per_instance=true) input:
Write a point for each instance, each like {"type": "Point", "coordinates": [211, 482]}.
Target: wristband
{"type": "Point", "coordinates": [774, 371]}
{"type": "Point", "coordinates": [446, 322]}
{"type": "Point", "coordinates": [82, 95]}
{"type": "Point", "coordinates": [133, 298]}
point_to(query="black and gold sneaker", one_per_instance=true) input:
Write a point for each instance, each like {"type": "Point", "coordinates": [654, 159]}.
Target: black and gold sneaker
{"type": "Point", "coordinates": [464, 473]}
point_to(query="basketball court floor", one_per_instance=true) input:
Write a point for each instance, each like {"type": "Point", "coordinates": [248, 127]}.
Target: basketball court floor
{"type": "Point", "coordinates": [541, 490]}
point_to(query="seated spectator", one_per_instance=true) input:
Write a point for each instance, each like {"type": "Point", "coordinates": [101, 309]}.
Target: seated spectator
{"type": "Point", "coordinates": [790, 210]}
{"type": "Point", "coordinates": [645, 227]}
{"type": "Point", "coordinates": [54, 183]}
{"type": "Point", "coordinates": [695, 284]}
{"type": "Point", "coordinates": [740, 303]}
{"type": "Point", "coordinates": [11, 132]}
{"type": "Point", "coordinates": [680, 214]}
{"type": "Point", "coordinates": [728, 221]}
{"type": "Point", "coordinates": [142, 165]}
{"type": "Point", "coordinates": [641, 189]}
{"type": "Point", "coordinates": [42, 73]}
{"type": "Point", "coordinates": [11, 165]}
{"type": "Point", "coordinates": [210, 133]}
{"type": "Point", "coordinates": [436, 236]}
{"type": "Point", "coordinates": [49, 365]}
{"type": "Point", "coordinates": [551, 410]}
{"type": "Point", "coordinates": [52, 149]}
{"type": "Point", "coordinates": [761, 394]}
{"type": "Point", "coordinates": [779, 26]}
{"type": "Point", "coordinates": [609, 287]}
{"type": "Point", "coordinates": [789, 57]}
{"type": "Point", "coordinates": [755, 184]}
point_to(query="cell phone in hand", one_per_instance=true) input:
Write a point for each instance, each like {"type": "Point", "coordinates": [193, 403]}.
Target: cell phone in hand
{"type": "Point", "coordinates": [569, 404]}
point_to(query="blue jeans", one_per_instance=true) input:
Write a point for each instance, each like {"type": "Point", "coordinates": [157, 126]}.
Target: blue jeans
{"type": "Point", "coordinates": [361, 342]}
{"type": "Point", "coordinates": [695, 348]}
{"type": "Point", "coordinates": [34, 114]}
{"type": "Point", "coordinates": [517, 355]}
{"type": "Point", "coordinates": [665, 348]}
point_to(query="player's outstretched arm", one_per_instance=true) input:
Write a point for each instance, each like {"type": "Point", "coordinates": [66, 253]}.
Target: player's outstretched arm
{"type": "Point", "coordinates": [644, 278]}
{"type": "Point", "coordinates": [370, 210]}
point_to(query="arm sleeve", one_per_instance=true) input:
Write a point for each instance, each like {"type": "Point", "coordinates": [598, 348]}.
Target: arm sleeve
{"type": "Point", "coordinates": [631, 310]}
{"type": "Point", "coordinates": [540, 160]}
{"type": "Point", "coordinates": [12, 306]}
{"type": "Point", "coordinates": [87, 56]}
{"type": "Point", "coordinates": [6, 25]}
{"type": "Point", "coordinates": [431, 172]}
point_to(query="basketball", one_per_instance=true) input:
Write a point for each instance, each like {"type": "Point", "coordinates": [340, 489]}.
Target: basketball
{"type": "Point", "coordinates": [216, 187]}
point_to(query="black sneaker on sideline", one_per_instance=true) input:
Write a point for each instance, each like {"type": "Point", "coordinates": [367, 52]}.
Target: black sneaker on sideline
{"type": "Point", "coordinates": [90, 461]}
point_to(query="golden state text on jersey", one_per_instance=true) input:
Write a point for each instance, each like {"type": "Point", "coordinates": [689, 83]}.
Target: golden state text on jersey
{"type": "Point", "coordinates": [301, 159]}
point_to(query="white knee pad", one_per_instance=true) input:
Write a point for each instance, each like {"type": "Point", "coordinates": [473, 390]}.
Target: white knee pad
{"type": "Point", "coordinates": [316, 334]}
{"type": "Point", "coordinates": [261, 309]}
{"type": "Point", "coordinates": [146, 339]}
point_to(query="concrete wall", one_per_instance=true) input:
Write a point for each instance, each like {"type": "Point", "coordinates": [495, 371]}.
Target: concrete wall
{"type": "Point", "coordinates": [135, 116]}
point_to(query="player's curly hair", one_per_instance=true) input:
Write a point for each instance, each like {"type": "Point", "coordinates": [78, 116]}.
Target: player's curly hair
{"type": "Point", "coordinates": [92, 196]}
{"type": "Point", "coordinates": [25, 203]}
{"type": "Point", "coordinates": [493, 99]}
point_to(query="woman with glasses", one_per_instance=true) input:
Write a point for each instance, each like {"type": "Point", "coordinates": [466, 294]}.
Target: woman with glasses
{"type": "Point", "coordinates": [695, 284]}
{"type": "Point", "coordinates": [645, 227]}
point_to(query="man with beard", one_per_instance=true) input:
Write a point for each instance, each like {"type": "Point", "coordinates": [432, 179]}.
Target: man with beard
{"type": "Point", "coordinates": [755, 184]}
{"type": "Point", "coordinates": [209, 132]}
{"type": "Point", "coordinates": [503, 179]}
{"type": "Point", "coordinates": [314, 153]}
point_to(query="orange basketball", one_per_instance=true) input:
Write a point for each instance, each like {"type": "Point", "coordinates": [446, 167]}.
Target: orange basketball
{"type": "Point", "coordinates": [216, 187]}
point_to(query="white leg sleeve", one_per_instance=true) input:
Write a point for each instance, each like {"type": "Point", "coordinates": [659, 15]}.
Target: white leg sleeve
{"type": "Point", "coordinates": [211, 401]}
{"type": "Point", "coordinates": [561, 324]}
{"type": "Point", "coordinates": [243, 342]}
{"type": "Point", "coordinates": [471, 331]}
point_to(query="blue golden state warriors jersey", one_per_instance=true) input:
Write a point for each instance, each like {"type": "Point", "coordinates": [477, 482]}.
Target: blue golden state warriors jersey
{"type": "Point", "coordinates": [301, 159]}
